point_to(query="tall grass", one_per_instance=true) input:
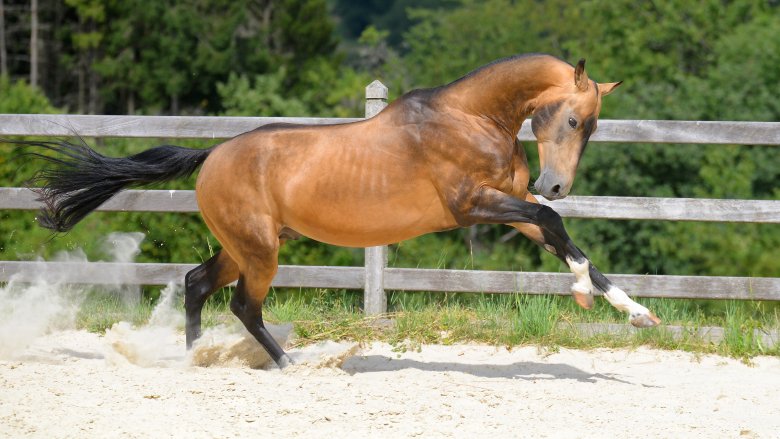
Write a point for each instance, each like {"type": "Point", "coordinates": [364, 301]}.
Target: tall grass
{"type": "Point", "coordinates": [518, 319]}
{"type": "Point", "coordinates": [101, 309]}
{"type": "Point", "coordinates": [509, 320]}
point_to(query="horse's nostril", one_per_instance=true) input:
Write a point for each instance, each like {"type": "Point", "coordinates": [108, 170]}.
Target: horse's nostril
{"type": "Point", "coordinates": [556, 189]}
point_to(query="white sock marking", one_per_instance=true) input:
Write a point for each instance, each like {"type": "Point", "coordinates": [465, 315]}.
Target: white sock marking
{"type": "Point", "coordinates": [583, 285]}
{"type": "Point", "coordinates": [620, 300]}
{"type": "Point", "coordinates": [617, 297]}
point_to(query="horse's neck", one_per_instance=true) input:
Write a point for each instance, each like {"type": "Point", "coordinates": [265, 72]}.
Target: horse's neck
{"type": "Point", "coordinates": [506, 91]}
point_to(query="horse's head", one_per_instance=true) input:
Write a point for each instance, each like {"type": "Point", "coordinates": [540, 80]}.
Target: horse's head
{"type": "Point", "coordinates": [563, 120]}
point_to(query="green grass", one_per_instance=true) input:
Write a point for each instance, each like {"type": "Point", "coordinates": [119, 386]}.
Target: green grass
{"type": "Point", "coordinates": [497, 319]}
{"type": "Point", "coordinates": [100, 310]}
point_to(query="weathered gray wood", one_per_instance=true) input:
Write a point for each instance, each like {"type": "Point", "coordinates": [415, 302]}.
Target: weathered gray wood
{"type": "Point", "coordinates": [17, 198]}
{"type": "Point", "coordinates": [700, 287]}
{"type": "Point", "coordinates": [681, 287]}
{"type": "Point", "coordinates": [679, 131]}
{"type": "Point", "coordinates": [374, 297]}
{"type": "Point", "coordinates": [677, 209]}
{"type": "Point", "coordinates": [152, 201]}
{"type": "Point", "coordinates": [200, 127]}
{"type": "Point", "coordinates": [376, 91]}
{"type": "Point", "coordinates": [211, 127]}
{"type": "Point", "coordinates": [406, 279]}
{"type": "Point", "coordinates": [671, 209]}
{"type": "Point", "coordinates": [94, 273]}
{"type": "Point", "coordinates": [305, 276]}
{"type": "Point", "coordinates": [111, 273]}
{"type": "Point", "coordinates": [126, 201]}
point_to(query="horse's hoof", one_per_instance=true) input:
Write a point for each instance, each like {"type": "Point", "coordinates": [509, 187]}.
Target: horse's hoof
{"type": "Point", "coordinates": [584, 300]}
{"type": "Point", "coordinates": [190, 341]}
{"type": "Point", "coordinates": [284, 361]}
{"type": "Point", "coordinates": [645, 320]}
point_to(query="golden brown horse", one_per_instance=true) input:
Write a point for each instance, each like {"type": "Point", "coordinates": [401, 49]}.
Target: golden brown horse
{"type": "Point", "coordinates": [433, 160]}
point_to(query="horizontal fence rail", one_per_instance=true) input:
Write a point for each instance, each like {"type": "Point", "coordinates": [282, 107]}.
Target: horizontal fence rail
{"type": "Point", "coordinates": [221, 127]}
{"type": "Point", "coordinates": [403, 279]}
{"type": "Point", "coordinates": [15, 198]}
{"type": "Point", "coordinates": [497, 282]}
{"type": "Point", "coordinates": [183, 127]}
{"type": "Point", "coordinates": [644, 208]}
{"type": "Point", "coordinates": [669, 209]}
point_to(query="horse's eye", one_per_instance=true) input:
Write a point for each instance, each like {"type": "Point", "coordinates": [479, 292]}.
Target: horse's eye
{"type": "Point", "coordinates": [572, 122]}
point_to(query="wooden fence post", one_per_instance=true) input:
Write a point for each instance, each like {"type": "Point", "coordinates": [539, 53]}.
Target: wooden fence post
{"type": "Point", "coordinates": [374, 298]}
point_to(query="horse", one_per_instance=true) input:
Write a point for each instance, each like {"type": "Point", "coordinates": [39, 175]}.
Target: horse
{"type": "Point", "coordinates": [433, 160]}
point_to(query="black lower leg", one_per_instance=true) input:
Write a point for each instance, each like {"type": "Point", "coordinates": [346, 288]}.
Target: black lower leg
{"type": "Point", "coordinates": [565, 248]}
{"type": "Point", "coordinates": [200, 284]}
{"type": "Point", "coordinates": [555, 235]}
{"type": "Point", "coordinates": [251, 315]}
{"type": "Point", "coordinates": [599, 280]}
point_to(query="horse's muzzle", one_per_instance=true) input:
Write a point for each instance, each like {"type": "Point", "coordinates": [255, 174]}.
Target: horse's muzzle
{"type": "Point", "coordinates": [551, 187]}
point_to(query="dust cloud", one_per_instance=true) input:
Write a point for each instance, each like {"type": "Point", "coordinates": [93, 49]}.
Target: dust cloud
{"type": "Point", "coordinates": [33, 308]}
{"type": "Point", "coordinates": [43, 312]}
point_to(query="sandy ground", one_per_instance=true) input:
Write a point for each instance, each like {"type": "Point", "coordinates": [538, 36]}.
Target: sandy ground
{"type": "Point", "coordinates": [56, 382]}
{"type": "Point", "coordinates": [76, 384]}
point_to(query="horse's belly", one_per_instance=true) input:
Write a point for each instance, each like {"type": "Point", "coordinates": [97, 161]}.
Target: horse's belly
{"type": "Point", "coordinates": [374, 221]}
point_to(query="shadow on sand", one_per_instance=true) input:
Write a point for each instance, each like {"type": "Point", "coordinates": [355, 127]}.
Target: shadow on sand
{"type": "Point", "coordinates": [525, 370]}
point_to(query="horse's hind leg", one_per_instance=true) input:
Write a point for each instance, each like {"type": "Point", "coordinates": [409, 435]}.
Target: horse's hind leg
{"type": "Point", "coordinates": [246, 307]}
{"type": "Point", "coordinates": [254, 244]}
{"type": "Point", "coordinates": [200, 284]}
{"type": "Point", "coordinates": [247, 303]}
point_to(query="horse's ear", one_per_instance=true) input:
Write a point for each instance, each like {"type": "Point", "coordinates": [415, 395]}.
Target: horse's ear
{"type": "Point", "coordinates": [580, 77]}
{"type": "Point", "coordinates": [608, 87]}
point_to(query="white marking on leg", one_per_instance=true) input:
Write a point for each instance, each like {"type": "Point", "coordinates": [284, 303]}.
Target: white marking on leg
{"type": "Point", "coordinates": [583, 285]}
{"type": "Point", "coordinates": [620, 300]}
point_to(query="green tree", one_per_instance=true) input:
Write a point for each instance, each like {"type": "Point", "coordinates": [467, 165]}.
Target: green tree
{"type": "Point", "coordinates": [742, 83]}
{"type": "Point", "coordinates": [392, 16]}
{"type": "Point", "coordinates": [169, 56]}
{"type": "Point", "coordinates": [707, 61]}
{"type": "Point", "coordinates": [446, 44]}
{"type": "Point", "coordinates": [19, 98]}
{"type": "Point", "coordinates": [262, 96]}
{"type": "Point", "coordinates": [86, 40]}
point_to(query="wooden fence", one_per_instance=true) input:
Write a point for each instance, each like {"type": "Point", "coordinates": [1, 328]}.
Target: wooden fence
{"type": "Point", "coordinates": [375, 277]}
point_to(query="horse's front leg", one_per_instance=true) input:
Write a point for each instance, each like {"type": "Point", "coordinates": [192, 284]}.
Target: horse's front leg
{"type": "Point", "coordinates": [582, 289]}
{"type": "Point", "coordinates": [544, 226]}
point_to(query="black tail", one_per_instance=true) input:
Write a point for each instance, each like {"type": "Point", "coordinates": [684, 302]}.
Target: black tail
{"type": "Point", "coordinates": [83, 179]}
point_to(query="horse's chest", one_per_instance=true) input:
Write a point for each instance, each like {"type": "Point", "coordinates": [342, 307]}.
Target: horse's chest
{"type": "Point", "coordinates": [507, 173]}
